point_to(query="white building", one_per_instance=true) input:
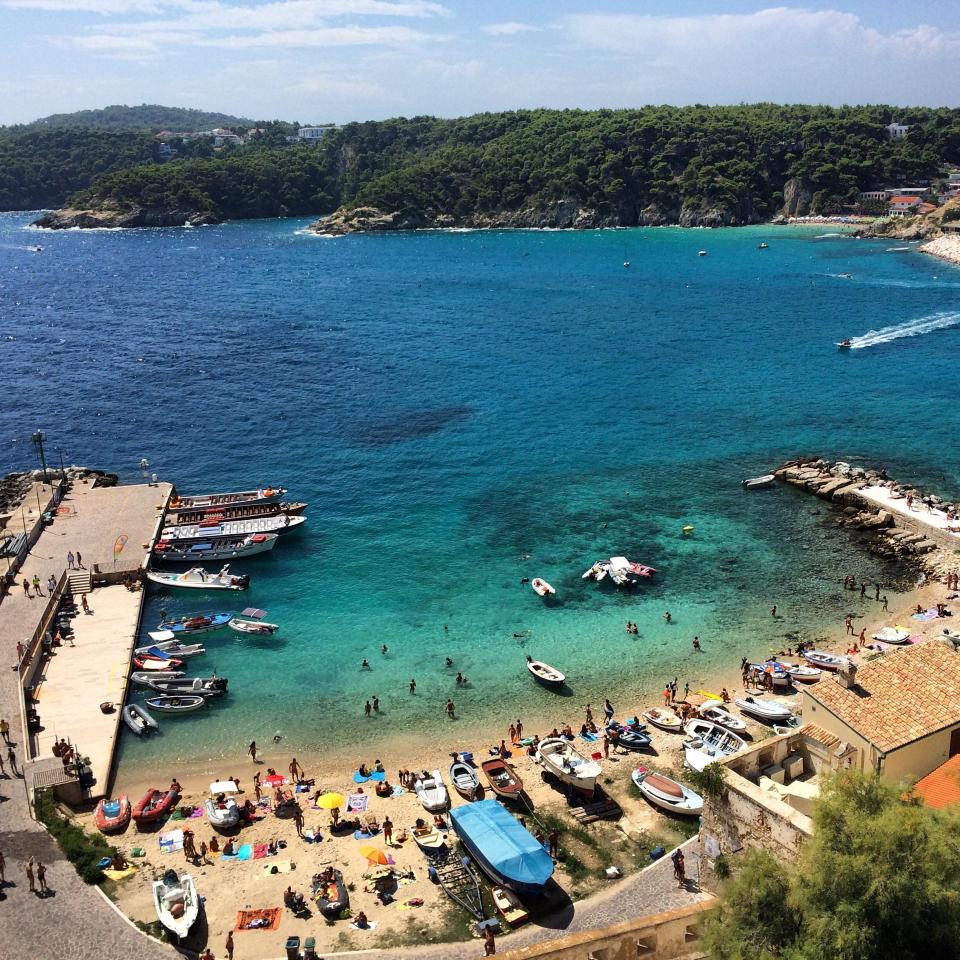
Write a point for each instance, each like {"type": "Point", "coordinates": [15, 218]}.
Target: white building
{"type": "Point", "coordinates": [897, 131]}
{"type": "Point", "coordinates": [313, 134]}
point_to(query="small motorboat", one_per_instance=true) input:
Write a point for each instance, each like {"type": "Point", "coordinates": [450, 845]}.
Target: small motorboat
{"type": "Point", "coordinates": [196, 578]}
{"type": "Point", "coordinates": [708, 742]}
{"type": "Point", "coordinates": [800, 673]}
{"type": "Point", "coordinates": [758, 483]}
{"type": "Point", "coordinates": [542, 588]}
{"type": "Point", "coordinates": [223, 813]}
{"type": "Point", "coordinates": [112, 816]}
{"type": "Point", "coordinates": [504, 781]}
{"type": "Point", "coordinates": [176, 704]}
{"type": "Point", "coordinates": [144, 678]}
{"type": "Point", "coordinates": [557, 756]}
{"type": "Point", "coordinates": [432, 792]}
{"type": "Point", "coordinates": [544, 674]}
{"type": "Point", "coordinates": [157, 664]}
{"type": "Point", "coordinates": [824, 660]}
{"type": "Point", "coordinates": [716, 712]}
{"type": "Point", "coordinates": [429, 839]}
{"type": "Point", "coordinates": [212, 686]}
{"type": "Point", "coordinates": [509, 906]}
{"type": "Point", "coordinates": [768, 710]}
{"type": "Point", "coordinates": [845, 344]}
{"type": "Point", "coordinates": [171, 648]}
{"type": "Point", "coordinates": [628, 739]}
{"type": "Point", "coordinates": [251, 621]}
{"type": "Point", "coordinates": [176, 902]}
{"type": "Point", "coordinates": [154, 805]}
{"type": "Point", "coordinates": [762, 246]}
{"type": "Point", "coordinates": [895, 635]}
{"type": "Point", "coordinates": [701, 253]}
{"type": "Point", "coordinates": [464, 779]}
{"type": "Point", "coordinates": [664, 719]}
{"type": "Point", "coordinates": [331, 898]}
{"type": "Point", "coordinates": [138, 720]}
{"type": "Point", "coordinates": [779, 677]}
{"type": "Point", "coordinates": [597, 572]}
{"type": "Point", "coordinates": [666, 793]}
{"type": "Point", "coordinates": [195, 623]}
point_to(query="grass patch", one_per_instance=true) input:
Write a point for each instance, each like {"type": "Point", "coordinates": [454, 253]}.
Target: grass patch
{"type": "Point", "coordinates": [445, 924]}
{"type": "Point", "coordinates": [82, 849]}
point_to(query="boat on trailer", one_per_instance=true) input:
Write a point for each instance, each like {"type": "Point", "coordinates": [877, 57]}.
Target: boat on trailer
{"type": "Point", "coordinates": [219, 548]}
{"type": "Point", "coordinates": [203, 500]}
{"type": "Point", "coordinates": [213, 529]}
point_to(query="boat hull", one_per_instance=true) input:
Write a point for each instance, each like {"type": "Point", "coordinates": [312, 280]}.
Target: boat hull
{"type": "Point", "coordinates": [137, 719]}
{"type": "Point", "coordinates": [282, 523]}
{"type": "Point", "coordinates": [545, 675]}
{"type": "Point", "coordinates": [222, 818]}
{"type": "Point", "coordinates": [503, 779]}
{"type": "Point", "coordinates": [201, 552]}
{"type": "Point", "coordinates": [153, 805]}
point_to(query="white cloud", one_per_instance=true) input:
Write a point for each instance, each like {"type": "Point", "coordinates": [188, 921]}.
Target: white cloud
{"type": "Point", "coordinates": [103, 7]}
{"type": "Point", "coordinates": [348, 36]}
{"type": "Point", "coordinates": [508, 29]}
{"type": "Point", "coordinates": [340, 87]}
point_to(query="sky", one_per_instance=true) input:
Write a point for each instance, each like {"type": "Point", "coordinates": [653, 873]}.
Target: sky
{"type": "Point", "coordinates": [321, 61]}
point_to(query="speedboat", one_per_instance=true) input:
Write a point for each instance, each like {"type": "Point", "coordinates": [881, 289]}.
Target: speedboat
{"type": "Point", "coordinates": [557, 756]}
{"type": "Point", "coordinates": [845, 344]}
{"type": "Point", "coordinates": [203, 500]}
{"type": "Point", "coordinates": [221, 548]}
{"type": "Point", "coordinates": [758, 483]}
{"type": "Point", "coordinates": [158, 663]}
{"type": "Point", "coordinates": [195, 623]}
{"type": "Point", "coordinates": [708, 742]}
{"type": "Point", "coordinates": [542, 587]}
{"type": "Point", "coordinates": [176, 704]}
{"type": "Point", "coordinates": [112, 816]}
{"type": "Point", "coordinates": [892, 635]}
{"type": "Point", "coordinates": [824, 660]}
{"type": "Point", "coordinates": [464, 779]}
{"type": "Point", "coordinates": [623, 571]}
{"type": "Point", "coordinates": [762, 246]}
{"type": "Point", "coordinates": [432, 792]}
{"type": "Point", "coordinates": [212, 529]}
{"type": "Point", "coordinates": [222, 812]}
{"type": "Point", "coordinates": [779, 677]}
{"type": "Point", "coordinates": [250, 620]}
{"type": "Point", "coordinates": [196, 578]}
{"type": "Point", "coordinates": [664, 719]}
{"type": "Point", "coordinates": [716, 712]}
{"type": "Point", "coordinates": [666, 793]}
{"type": "Point", "coordinates": [176, 902]}
{"type": "Point", "coordinates": [544, 674]}
{"type": "Point", "coordinates": [768, 710]}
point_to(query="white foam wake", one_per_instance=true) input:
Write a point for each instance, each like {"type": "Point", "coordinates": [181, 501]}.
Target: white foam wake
{"type": "Point", "coordinates": [912, 328]}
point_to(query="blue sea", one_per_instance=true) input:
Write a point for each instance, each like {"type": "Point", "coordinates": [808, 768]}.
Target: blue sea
{"type": "Point", "coordinates": [465, 409]}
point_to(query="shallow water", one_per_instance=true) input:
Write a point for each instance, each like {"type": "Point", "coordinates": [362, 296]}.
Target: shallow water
{"type": "Point", "coordinates": [465, 409]}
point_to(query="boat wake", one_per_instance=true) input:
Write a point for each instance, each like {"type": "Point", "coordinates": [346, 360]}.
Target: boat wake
{"type": "Point", "coordinates": [912, 328]}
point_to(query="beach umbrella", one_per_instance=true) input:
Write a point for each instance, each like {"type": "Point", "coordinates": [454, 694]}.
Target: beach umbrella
{"type": "Point", "coordinates": [330, 800]}
{"type": "Point", "coordinates": [374, 855]}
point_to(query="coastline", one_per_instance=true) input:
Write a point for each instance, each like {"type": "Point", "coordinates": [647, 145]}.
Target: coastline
{"type": "Point", "coordinates": [946, 247]}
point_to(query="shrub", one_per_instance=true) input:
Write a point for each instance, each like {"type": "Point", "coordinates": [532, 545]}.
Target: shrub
{"type": "Point", "coordinates": [82, 849]}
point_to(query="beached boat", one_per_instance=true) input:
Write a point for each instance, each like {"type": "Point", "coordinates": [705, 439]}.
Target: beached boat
{"type": "Point", "coordinates": [542, 588]}
{"type": "Point", "coordinates": [801, 673]}
{"type": "Point", "coordinates": [250, 620]}
{"type": "Point", "coordinates": [195, 623]}
{"type": "Point", "coordinates": [708, 742]}
{"type": "Point", "coordinates": [716, 712]}
{"type": "Point", "coordinates": [236, 511]}
{"type": "Point", "coordinates": [222, 814]}
{"type": "Point", "coordinates": [895, 635]}
{"type": "Point", "coordinates": [779, 677]}
{"type": "Point", "coordinates": [664, 719]}
{"type": "Point", "coordinates": [501, 847]}
{"type": "Point", "coordinates": [172, 648]}
{"type": "Point", "coordinates": [503, 779]}
{"type": "Point", "coordinates": [557, 756]}
{"type": "Point", "coordinates": [464, 779]}
{"type": "Point", "coordinates": [628, 738]}
{"type": "Point", "coordinates": [112, 816]}
{"type": "Point", "coordinates": [768, 710]}
{"type": "Point", "coordinates": [331, 898]}
{"type": "Point", "coordinates": [213, 686]}
{"type": "Point", "coordinates": [281, 523]}
{"type": "Point", "coordinates": [138, 720]}
{"type": "Point", "coordinates": [196, 578]}
{"type": "Point", "coordinates": [666, 793]}
{"type": "Point", "coordinates": [204, 500]}
{"type": "Point", "coordinates": [157, 664]}
{"type": "Point", "coordinates": [758, 483]}
{"type": "Point", "coordinates": [824, 660]}
{"type": "Point", "coordinates": [143, 678]}
{"type": "Point", "coordinates": [509, 906]}
{"type": "Point", "coordinates": [176, 902]}
{"type": "Point", "coordinates": [183, 703]}
{"type": "Point", "coordinates": [544, 674]}
{"type": "Point", "coordinates": [154, 805]}
{"type": "Point", "coordinates": [429, 839]}
{"type": "Point", "coordinates": [597, 572]}
{"type": "Point", "coordinates": [221, 548]}
{"type": "Point", "coordinates": [432, 792]}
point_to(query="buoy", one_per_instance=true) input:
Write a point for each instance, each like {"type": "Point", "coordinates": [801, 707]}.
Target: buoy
{"type": "Point", "coordinates": [687, 530]}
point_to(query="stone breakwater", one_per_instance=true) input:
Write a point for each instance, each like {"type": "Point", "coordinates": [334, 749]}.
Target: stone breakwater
{"type": "Point", "coordinates": [893, 535]}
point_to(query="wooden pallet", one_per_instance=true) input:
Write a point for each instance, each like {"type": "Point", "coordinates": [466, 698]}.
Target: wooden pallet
{"type": "Point", "coordinates": [605, 809]}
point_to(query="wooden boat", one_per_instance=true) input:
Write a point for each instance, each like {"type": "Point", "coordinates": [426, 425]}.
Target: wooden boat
{"type": "Point", "coordinates": [195, 623]}
{"type": "Point", "coordinates": [154, 805]}
{"type": "Point", "coordinates": [182, 703]}
{"type": "Point", "coordinates": [429, 839]}
{"type": "Point", "coordinates": [541, 587]}
{"type": "Point", "coordinates": [432, 792]}
{"type": "Point", "coordinates": [545, 675]}
{"type": "Point", "coordinates": [176, 903]}
{"type": "Point", "coordinates": [464, 779]}
{"type": "Point", "coordinates": [220, 548]}
{"type": "Point", "coordinates": [331, 898]}
{"type": "Point", "coordinates": [824, 660]}
{"type": "Point", "coordinates": [222, 815]}
{"type": "Point", "coordinates": [281, 523]}
{"type": "Point", "coordinates": [171, 648]}
{"type": "Point", "coordinates": [112, 816]}
{"type": "Point", "coordinates": [716, 712]}
{"type": "Point", "coordinates": [768, 710]}
{"type": "Point", "coordinates": [212, 686]}
{"type": "Point", "coordinates": [800, 673]}
{"type": "Point", "coordinates": [666, 793]}
{"type": "Point", "coordinates": [503, 779]}
{"type": "Point", "coordinates": [236, 511]}
{"type": "Point", "coordinates": [758, 483]}
{"type": "Point", "coordinates": [138, 720]}
{"type": "Point", "coordinates": [144, 677]}
{"type": "Point", "coordinates": [509, 906]}
{"type": "Point", "coordinates": [708, 742]}
{"type": "Point", "coordinates": [664, 719]}
{"type": "Point", "coordinates": [196, 578]}
{"type": "Point", "coordinates": [204, 500]}
{"type": "Point", "coordinates": [250, 620]}
{"type": "Point", "coordinates": [557, 756]}
{"type": "Point", "coordinates": [156, 664]}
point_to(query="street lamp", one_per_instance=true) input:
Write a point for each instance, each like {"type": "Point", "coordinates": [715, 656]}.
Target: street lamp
{"type": "Point", "coordinates": [38, 443]}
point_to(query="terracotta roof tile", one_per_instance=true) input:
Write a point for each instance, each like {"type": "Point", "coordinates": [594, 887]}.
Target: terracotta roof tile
{"type": "Point", "coordinates": [822, 737]}
{"type": "Point", "coordinates": [900, 698]}
{"type": "Point", "coordinates": [941, 787]}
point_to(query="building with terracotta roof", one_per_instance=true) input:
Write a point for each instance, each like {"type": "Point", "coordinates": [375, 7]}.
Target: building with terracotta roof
{"type": "Point", "coordinates": [941, 788]}
{"type": "Point", "coordinates": [901, 712]}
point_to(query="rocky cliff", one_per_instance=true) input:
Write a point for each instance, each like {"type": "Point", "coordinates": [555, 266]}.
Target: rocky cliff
{"type": "Point", "coordinates": [113, 216]}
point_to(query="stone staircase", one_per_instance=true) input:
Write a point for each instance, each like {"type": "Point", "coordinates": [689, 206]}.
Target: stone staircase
{"type": "Point", "coordinates": [79, 582]}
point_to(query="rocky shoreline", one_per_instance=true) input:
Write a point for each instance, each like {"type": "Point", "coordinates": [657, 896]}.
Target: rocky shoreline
{"type": "Point", "coordinates": [112, 218]}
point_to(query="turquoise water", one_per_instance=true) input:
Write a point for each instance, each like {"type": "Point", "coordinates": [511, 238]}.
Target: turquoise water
{"type": "Point", "coordinates": [465, 409]}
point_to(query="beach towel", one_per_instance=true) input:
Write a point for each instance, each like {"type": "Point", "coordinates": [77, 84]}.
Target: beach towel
{"type": "Point", "coordinates": [364, 834]}
{"type": "Point", "coordinates": [275, 780]}
{"type": "Point", "coordinates": [171, 841]}
{"type": "Point", "coordinates": [260, 850]}
{"type": "Point", "coordinates": [379, 775]}
{"type": "Point", "coordinates": [229, 856]}
{"type": "Point", "coordinates": [399, 791]}
{"type": "Point", "coordinates": [280, 866]}
{"type": "Point", "coordinates": [358, 777]}
{"type": "Point", "coordinates": [357, 802]}
{"type": "Point", "coordinates": [245, 852]}
{"type": "Point", "coordinates": [371, 925]}
{"type": "Point", "coordinates": [589, 737]}
{"type": "Point", "coordinates": [120, 874]}
{"type": "Point", "coordinates": [267, 919]}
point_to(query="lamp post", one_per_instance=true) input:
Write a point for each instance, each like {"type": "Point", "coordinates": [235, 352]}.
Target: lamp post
{"type": "Point", "coordinates": [38, 443]}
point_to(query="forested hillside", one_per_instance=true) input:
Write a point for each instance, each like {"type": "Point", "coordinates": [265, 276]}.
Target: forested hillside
{"type": "Point", "coordinates": [690, 165]}
{"type": "Point", "coordinates": [146, 117]}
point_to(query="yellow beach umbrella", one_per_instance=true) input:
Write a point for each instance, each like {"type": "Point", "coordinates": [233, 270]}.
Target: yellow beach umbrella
{"type": "Point", "coordinates": [374, 855]}
{"type": "Point", "coordinates": [330, 800]}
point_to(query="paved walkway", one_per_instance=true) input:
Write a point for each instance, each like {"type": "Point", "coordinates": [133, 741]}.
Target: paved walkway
{"type": "Point", "coordinates": [919, 512]}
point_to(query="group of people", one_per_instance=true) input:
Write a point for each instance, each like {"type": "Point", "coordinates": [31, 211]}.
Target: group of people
{"type": "Point", "coordinates": [37, 591]}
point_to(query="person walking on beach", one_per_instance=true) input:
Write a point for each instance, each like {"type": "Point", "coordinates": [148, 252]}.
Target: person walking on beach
{"type": "Point", "coordinates": [298, 820]}
{"type": "Point", "coordinates": [513, 733]}
{"type": "Point", "coordinates": [228, 946]}
{"type": "Point", "coordinates": [773, 611]}
{"type": "Point", "coordinates": [848, 621]}
{"type": "Point", "coordinates": [413, 685]}
{"type": "Point", "coordinates": [296, 771]}
{"type": "Point", "coordinates": [42, 878]}
{"type": "Point", "coordinates": [388, 831]}
{"type": "Point", "coordinates": [519, 730]}
{"type": "Point", "coordinates": [863, 636]}
{"type": "Point", "coordinates": [252, 750]}
{"type": "Point", "coordinates": [608, 710]}
{"type": "Point", "coordinates": [606, 745]}
{"type": "Point", "coordinates": [450, 712]}
{"type": "Point", "coordinates": [28, 869]}
{"type": "Point", "coordinates": [886, 607]}
{"type": "Point", "coordinates": [70, 560]}
{"type": "Point", "coordinates": [686, 690]}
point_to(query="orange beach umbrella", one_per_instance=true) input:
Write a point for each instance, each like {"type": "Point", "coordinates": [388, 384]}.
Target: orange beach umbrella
{"type": "Point", "coordinates": [374, 855]}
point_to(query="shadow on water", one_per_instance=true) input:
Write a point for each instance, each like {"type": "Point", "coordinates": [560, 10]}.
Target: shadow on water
{"type": "Point", "coordinates": [410, 425]}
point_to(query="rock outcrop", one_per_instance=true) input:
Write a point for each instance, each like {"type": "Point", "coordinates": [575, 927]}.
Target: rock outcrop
{"type": "Point", "coordinates": [112, 217]}
{"type": "Point", "coordinates": [926, 227]}
{"type": "Point", "coordinates": [797, 197]}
